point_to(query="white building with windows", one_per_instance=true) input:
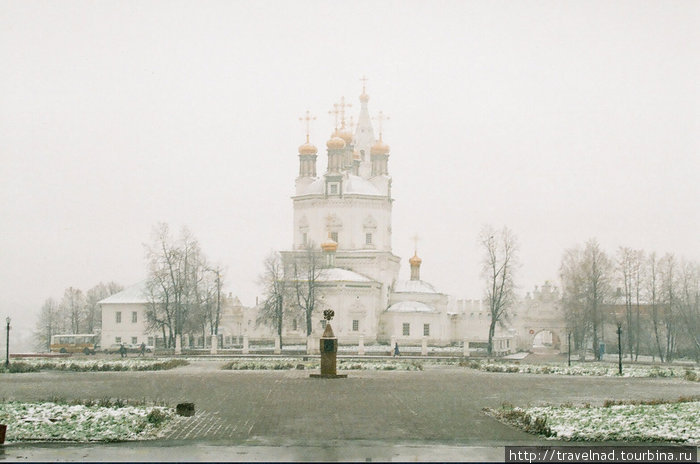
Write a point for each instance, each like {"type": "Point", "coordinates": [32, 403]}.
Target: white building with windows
{"type": "Point", "coordinates": [124, 318]}
{"type": "Point", "coordinates": [124, 321]}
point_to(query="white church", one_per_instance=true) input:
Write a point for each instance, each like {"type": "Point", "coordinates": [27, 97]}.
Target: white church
{"type": "Point", "coordinates": [345, 212]}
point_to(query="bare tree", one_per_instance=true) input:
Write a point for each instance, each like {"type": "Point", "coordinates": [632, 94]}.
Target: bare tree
{"type": "Point", "coordinates": [49, 324]}
{"type": "Point", "coordinates": [73, 309]}
{"type": "Point", "coordinates": [667, 268]}
{"type": "Point", "coordinates": [586, 282]}
{"type": "Point", "coordinates": [629, 263]}
{"type": "Point", "coordinates": [498, 265]}
{"type": "Point", "coordinates": [306, 269]}
{"type": "Point", "coordinates": [93, 312]}
{"type": "Point", "coordinates": [652, 279]}
{"type": "Point", "coordinates": [272, 309]}
{"type": "Point", "coordinates": [573, 297]}
{"type": "Point", "coordinates": [688, 304]}
{"type": "Point", "coordinates": [175, 271]}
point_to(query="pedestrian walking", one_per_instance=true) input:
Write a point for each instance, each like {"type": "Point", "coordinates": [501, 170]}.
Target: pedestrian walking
{"type": "Point", "coordinates": [122, 351]}
{"type": "Point", "coordinates": [143, 349]}
{"type": "Point", "coordinates": [396, 350]}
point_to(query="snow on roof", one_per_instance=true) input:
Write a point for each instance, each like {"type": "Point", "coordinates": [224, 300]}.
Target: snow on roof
{"type": "Point", "coordinates": [134, 294]}
{"type": "Point", "coordinates": [352, 185]}
{"type": "Point", "coordinates": [336, 274]}
{"type": "Point", "coordinates": [411, 307]}
{"type": "Point", "coordinates": [360, 186]}
{"type": "Point", "coordinates": [413, 286]}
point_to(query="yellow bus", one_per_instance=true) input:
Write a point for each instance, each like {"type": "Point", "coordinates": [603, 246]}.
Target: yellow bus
{"type": "Point", "coordinates": [74, 343]}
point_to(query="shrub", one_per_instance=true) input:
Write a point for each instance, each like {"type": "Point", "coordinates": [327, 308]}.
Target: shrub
{"type": "Point", "coordinates": [18, 367]}
{"type": "Point", "coordinates": [690, 375]}
{"type": "Point", "coordinates": [156, 417]}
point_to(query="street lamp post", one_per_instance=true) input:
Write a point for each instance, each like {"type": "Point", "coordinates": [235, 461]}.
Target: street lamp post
{"type": "Point", "coordinates": [568, 351]}
{"type": "Point", "coordinates": [7, 344]}
{"type": "Point", "coordinates": [619, 347]}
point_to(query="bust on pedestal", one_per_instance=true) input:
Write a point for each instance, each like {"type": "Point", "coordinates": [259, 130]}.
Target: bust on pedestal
{"type": "Point", "coordinates": [329, 349]}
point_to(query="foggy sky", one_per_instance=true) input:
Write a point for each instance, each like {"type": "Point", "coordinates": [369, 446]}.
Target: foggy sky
{"type": "Point", "coordinates": [562, 120]}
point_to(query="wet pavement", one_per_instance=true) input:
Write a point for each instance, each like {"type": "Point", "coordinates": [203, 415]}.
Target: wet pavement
{"type": "Point", "coordinates": [179, 452]}
{"type": "Point", "coordinates": [435, 414]}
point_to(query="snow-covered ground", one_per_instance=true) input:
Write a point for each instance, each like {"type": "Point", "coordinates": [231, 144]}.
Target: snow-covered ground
{"type": "Point", "coordinates": [127, 364]}
{"type": "Point", "coordinates": [674, 422]}
{"type": "Point", "coordinates": [80, 423]}
{"type": "Point", "coordinates": [589, 369]}
{"type": "Point", "coordinates": [292, 363]}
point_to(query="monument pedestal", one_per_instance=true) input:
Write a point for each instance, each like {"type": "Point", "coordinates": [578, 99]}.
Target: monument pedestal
{"type": "Point", "coordinates": [329, 350]}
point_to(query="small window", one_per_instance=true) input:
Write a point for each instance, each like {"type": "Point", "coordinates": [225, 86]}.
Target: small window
{"type": "Point", "coordinates": [426, 330]}
{"type": "Point", "coordinates": [334, 236]}
{"type": "Point", "coordinates": [117, 339]}
{"type": "Point", "coordinates": [355, 325]}
{"type": "Point", "coordinates": [323, 323]}
{"type": "Point", "coordinates": [134, 340]}
{"type": "Point", "coordinates": [406, 329]}
{"type": "Point", "coordinates": [150, 341]}
{"type": "Point", "coordinates": [134, 316]}
{"type": "Point", "coordinates": [368, 238]}
{"type": "Point", "coordinates": [118, 315]}
{"type": "Point", "coordinates": [294, 324]}
{"type": "Point", "coordinates": [334, 189]}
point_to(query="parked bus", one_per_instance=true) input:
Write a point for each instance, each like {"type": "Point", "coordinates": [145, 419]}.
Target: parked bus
{"type": "Point", "coordinates": [74, 343]}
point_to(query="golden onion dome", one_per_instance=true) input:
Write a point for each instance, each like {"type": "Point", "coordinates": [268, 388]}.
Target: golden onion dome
{"type": "Point", "coordinates": [345, 135]}
{"type": "Point", "coordinates": [335, 143]}
{"type": "Point", "coordinates": [307, 149]}
{"type": "Point", "coordinates": [379, 148]}
{"type": "Point", "coordinates": [356, 155]}
{"type": "Point", "coordinates": [364, 98]}
{"type": "Point", "coordinates": [415, 260]}
{"type": "Point", "coordinates": [329, 245]}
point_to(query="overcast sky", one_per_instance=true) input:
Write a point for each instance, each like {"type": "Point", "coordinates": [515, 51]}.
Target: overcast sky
{"type": "Point", "coordinates": [562, 120]}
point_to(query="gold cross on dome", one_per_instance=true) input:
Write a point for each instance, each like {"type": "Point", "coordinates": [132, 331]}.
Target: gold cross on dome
{"type": "Point", "coordinates": [415, 239]}
{"type": "Point", "coordinates": [307, 118]}
{"type": "Point", "coordinates": [380, 120]}
{"type": "Point", "coordinates": [342, 105]}
{"type": "Point", "coordinates": [335, 112]}
{"type": "Point", "coordinates": [364, 82]}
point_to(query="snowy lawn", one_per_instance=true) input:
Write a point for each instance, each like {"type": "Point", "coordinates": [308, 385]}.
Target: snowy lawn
{"type": "Point", "coordinates": [588, 369]}
{"type": "Point", "coordinates": [285, 364]}
{"type": "Point", "coordinates": [665, 422]}
{"type": "Point", "coordinates": [82, 423]}
{"type": "Point", "coordinates": [85, 365]}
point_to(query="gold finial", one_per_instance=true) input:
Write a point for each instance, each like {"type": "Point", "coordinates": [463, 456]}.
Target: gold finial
{"type": "Point", "coordinates": [380, 120]}
{"type": "Point", "coordinates": [364, 98]}
{"type": "Point", "coordinates": [307, 118]}
{"type": "Point", "coordinates": [415, 261]}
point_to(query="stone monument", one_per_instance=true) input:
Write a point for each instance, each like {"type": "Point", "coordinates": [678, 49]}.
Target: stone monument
{"type": "Point", "coordinates": [329, 349]}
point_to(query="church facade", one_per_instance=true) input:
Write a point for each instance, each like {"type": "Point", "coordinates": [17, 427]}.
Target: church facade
{"type": "Point", "coordinates": [344, 215]}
